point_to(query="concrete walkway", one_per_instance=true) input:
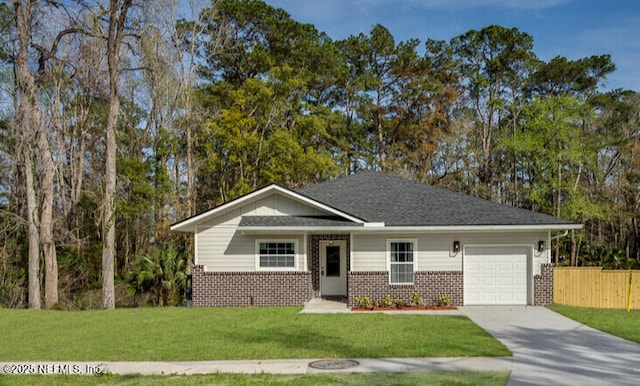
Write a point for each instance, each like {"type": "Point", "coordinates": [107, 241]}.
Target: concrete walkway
{"type": "Point", "coordinates": [550, 349]}
{"type": "Point", "coordinates": [323, 306]}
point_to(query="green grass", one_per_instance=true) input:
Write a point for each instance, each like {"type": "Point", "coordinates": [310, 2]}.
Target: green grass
{"type": "Point", "coordinates": [234, 333]}
{"type": "Point", "coordinates": [616, 322]}
{"type": "Point", "coordinates": [420, 378]}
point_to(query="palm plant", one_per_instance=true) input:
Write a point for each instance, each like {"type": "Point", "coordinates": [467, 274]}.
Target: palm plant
{"type": "Point", "coordinates": [161, 274]}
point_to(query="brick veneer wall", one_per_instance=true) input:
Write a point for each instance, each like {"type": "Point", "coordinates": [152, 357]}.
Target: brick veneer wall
{"type": "Point", "coordinates": [543, 286]}
{"type": "Point", "coordinates": [232, 289]}
{"type": "Point", "coordinates": [429, 284]}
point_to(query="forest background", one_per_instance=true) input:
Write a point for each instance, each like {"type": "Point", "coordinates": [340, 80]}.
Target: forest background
{"type": "Point", "coordinates": [120, 117]}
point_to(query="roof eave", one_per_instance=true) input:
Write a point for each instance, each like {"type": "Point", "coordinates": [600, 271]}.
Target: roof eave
{"type": "Point", "coordinates": [407, 229]}
{"type": "Point", "coordinates": [485, 228]}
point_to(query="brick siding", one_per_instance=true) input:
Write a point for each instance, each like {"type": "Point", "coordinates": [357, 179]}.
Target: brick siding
{"type": "Point", "coordinates": [543, 286]}
{"type": "Point", "coordinates": [429, 284]}
{"type": "Point", "coordinates": [233, 289]}
{"type": "Point", "coordinates": [287, 288]}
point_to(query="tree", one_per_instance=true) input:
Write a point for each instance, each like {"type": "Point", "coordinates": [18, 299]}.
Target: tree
{"type": "Point", "coordinates": [381, 56]}
{"type": "Point", "coordinates": [578, 77]}
{"type": "Point", "coordinates": [189, 37]}
{"type": "Point", "coordinates": [117, 20]}
{"type": "Point", "coordinates": [555, 152]}
{"type": "Point", "coordinates": [614, 177]}
{"type": "Point", "coordinates": [261, 81]}
{"type": "Point", "coordinates": [490, 59]}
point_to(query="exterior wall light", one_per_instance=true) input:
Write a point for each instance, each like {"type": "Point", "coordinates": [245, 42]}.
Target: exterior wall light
{"type": "Point", "coordinates": [456, 246]}
{"type": "Point", "coordinates": [541, 246]}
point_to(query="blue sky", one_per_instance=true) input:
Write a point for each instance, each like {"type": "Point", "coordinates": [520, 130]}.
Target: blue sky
{"type": "Point", "coordinates": [569, 28]}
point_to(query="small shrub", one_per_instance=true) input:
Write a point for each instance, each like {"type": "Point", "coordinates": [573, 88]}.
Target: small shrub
{"type": "Point", "coordinates": [400, 303]}
{"type": "Point", "coordinates": [416, 300]}
{"type": "Point", "coordinates": [444, 300]}
{"type": "Point", "coordinates": [363, 301]}
{"type": "Point", "coordinates": [387, 302]}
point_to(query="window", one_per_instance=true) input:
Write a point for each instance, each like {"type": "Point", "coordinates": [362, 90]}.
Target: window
{"type": "Point", "coordinates": [276, 254]}
{"type": "Point", "coordinates": [401, 261]}
{"type": "Point", "coordinates": [333, 261]}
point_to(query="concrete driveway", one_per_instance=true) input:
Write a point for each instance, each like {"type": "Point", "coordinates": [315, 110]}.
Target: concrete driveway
{"type": "Point", "coordinates": [549, 349]}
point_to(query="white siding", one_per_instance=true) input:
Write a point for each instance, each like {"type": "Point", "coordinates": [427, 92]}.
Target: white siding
{"type": "Point", "coordinates": [368, 251]}
{"type": "Point", "coordinates": [272, 205]}
{"type": "Point", "coordinates": [220, 246]}
{"type": "Point", "coordinates": [223, 248]}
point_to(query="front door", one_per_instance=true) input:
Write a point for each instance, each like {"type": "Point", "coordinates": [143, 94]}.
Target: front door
{"type": "Point", "coordinates": [333, 268]}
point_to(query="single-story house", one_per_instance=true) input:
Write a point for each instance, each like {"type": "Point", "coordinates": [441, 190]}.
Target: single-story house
{"type": "Point", "coordinates": [370, 234]}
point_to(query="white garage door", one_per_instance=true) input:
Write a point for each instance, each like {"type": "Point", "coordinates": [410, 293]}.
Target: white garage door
{"type": "Point", "coordinates": [495, 275]}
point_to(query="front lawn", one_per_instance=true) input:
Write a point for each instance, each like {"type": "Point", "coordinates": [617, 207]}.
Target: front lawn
{"type": "Point", "coordinates": [420, 378]}
{"type": "Point", "coordinates": [172, 333]}
{"type": "Point", "coordinates": [616, 322]}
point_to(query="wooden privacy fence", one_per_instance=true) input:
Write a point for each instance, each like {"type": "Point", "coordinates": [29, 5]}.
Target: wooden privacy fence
{"type": "Point", "coordinates": [595, 287]}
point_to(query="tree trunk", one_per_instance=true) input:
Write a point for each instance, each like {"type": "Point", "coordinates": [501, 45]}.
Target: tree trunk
{"type": "Point", "coordinates": [26, 117]}
{"type": "Point", "coordinates": [46, 220]}
{"type": "Point", "coordinates": [34, 239]}
{"type": "Point", "coordinates": [117, 17]}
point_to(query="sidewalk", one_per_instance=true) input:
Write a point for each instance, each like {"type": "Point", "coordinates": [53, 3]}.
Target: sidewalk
{"type": "Point", "coordinates": [280, 366]}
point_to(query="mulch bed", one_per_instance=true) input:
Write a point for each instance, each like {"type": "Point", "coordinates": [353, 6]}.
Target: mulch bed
{"type": "Point", "coordinates": [408, 308]}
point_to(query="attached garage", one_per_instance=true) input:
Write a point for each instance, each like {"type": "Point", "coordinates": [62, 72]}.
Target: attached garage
{"type": "Point", "coordinates": [496, 275]}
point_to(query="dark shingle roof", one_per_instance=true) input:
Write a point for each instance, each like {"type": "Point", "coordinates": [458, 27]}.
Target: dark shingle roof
{"type": "Point", "coordinates": [302, 221]}
{"type": "Point", "coordinates": [397, 201]}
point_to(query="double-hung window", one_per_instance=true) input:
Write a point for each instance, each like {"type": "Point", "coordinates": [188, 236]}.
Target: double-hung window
{"type": "Point", "coordinates": [276, 254]}
{"type": "Point", "coordinates": [401, 261]}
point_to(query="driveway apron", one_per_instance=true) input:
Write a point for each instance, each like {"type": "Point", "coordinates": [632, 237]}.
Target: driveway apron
{"type": "Point", "coordinates": [550, 349]}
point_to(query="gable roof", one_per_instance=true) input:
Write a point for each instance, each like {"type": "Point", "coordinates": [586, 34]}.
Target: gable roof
{"type": "Point", "coordinates": [397, 201]}
{"type": "Point", "coordinates": [189, 224]}
{"type": "Point", "coordinates": [374, 201]}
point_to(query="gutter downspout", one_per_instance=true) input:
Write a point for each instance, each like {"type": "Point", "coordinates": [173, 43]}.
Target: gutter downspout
{"type": "Point", "coordinates": [566, 232]}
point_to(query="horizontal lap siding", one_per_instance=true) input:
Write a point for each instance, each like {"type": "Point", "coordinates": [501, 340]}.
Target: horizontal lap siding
{"type": "Point", "coordinates": [223, 248]}
{"type": "Point", "coordinates": [369, 251]}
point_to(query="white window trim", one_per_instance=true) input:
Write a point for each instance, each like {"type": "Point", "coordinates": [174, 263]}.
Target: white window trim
{"type": "Point", "coordinates": [295, 255]}
{"type": "Point", "coordinates": [415, 258]}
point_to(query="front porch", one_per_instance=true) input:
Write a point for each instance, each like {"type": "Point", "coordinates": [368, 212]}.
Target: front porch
{"type": "Point", "coordinates": [325, 306]}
